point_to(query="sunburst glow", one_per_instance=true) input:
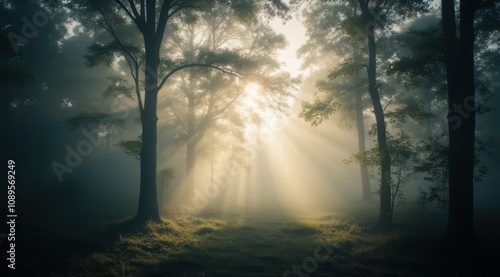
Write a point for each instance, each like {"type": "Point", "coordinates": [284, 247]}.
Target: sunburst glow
{"type": "Point", "coordinates": [254, 102]}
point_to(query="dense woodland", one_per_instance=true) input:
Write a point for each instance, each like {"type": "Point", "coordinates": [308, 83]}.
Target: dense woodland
{"type": "Point", "coordinates": [173, 138]}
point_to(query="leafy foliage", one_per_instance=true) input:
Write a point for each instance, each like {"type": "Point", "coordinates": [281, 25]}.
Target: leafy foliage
{"type": "Point", "coordinates": [318, 111]}
{"type": "Point", "coordinates": [433, 162]}
{"type": "Point", "coordinates": [131, 147]}
{"type": "Point", "coordinates": [403, 158]}
{"type": "Point", "coordinates": [99, 53]}
{"type": "Point", "coordinates": [399, 116]}
{"type": "Point", "coordinates": [117, 88]}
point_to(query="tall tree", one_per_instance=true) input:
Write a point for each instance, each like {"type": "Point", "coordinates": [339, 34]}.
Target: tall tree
{"type": "Point", "coordinates": [385, 216]}
{"type": "Point", "coordinates": [459, 64]}
{"type": "Point", "coordinates": [151, 18]}
{"type": "Point", "coordinates": [338, 96]}
{"type": "Point", "coordinates": [376, 16]}
{"type": "Point", "coordinates": [460, 60]}
{"type": "Point", "coordinates": [383, 13]}
{"type": "Point", "coordinates": [465, 56]}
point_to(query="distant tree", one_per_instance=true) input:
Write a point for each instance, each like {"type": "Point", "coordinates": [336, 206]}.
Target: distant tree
{"type": "Point", "coordinates": [403, 158]}
{"type": "Point", "coordinates": [337, 95]}
{"type": "Point", "coordinates": [374, 16]}
{"type": "Point", "coordinates": [163, 180]}
{"type": "Point", "coordinates": [344, 95]}
{"type": "Point", "coordinates": [203, 101]}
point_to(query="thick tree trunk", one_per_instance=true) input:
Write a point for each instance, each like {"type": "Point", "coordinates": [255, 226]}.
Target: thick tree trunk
{"type": "Point", "coordinates": [385, 216]}
{"type": "Point", "coordinates": [148, 203]}
{"type": "Point", "coordinates": [459, 63]}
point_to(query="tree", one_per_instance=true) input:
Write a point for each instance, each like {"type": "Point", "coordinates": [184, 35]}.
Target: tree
{"type": "Point", "coordinates": [338, 96]}
{"type": "Point", "coordinates": [459, 63]}
{"type": "Point", "coordinates": [151, 19]}
{"type": "Point", "coordinates": [403, 159]}
{"type": "Point", "coordinates": [392, 12]}
{"type": "Point", "coordinates": [374, 16]}
{"type": "Point", "coordinates": [385, 216]}
{"type": "Point", "coordinates": [465, 58]}
{"type": "Point", "coordinates": [204, 100]}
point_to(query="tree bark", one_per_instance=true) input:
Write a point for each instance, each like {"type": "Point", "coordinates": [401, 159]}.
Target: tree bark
{"type": "Point", "coordinates": [459, 63]}
{"type": "Point", "coordinates": [191, 142]}
{"type": "Point", "coordinates": [148, 203]}
{"type": "Point", "coordinates": [366, 194]}
{"type": "Point", "coordinates": [385, 216]}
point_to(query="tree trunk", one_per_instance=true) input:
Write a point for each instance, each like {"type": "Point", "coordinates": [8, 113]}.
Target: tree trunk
{"type": "Point", "coordinates": [385, 216]}
{"type": "Point", "coordinates": [148, 203]}
{"type": "Point", "coordinates": [366, 195]}
{"type": "Point", "coordinates": [190, 163]}
{"type": "Point", "coordinates": [459, 63]}
{"type": "Point", "coordinates": [191, 143]}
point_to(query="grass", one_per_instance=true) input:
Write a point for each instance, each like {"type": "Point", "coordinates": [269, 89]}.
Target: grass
{"type": "Point", "coordinates": [252, 245]}
{"type": "Point", "coordinates": [262, 244]}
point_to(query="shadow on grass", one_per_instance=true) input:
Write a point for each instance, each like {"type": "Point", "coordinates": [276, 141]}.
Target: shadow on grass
{"type": "Point", "coordinates": [266, 244]}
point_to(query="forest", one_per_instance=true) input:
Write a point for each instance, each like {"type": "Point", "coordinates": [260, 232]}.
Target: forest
{"type": "Point", "coordinates": [250, 138]}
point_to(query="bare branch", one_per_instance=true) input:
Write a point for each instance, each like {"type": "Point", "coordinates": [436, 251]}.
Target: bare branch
{"type": "Point", "coordinates": [180, 121]}
{"type": "Point", "coordinates": [387, 105]}
{"type": "Point", "coordinates": [124, 8]}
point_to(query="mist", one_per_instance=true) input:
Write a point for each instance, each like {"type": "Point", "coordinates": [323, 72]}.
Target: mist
{"type": "Point", "coordinates": [236, 138]}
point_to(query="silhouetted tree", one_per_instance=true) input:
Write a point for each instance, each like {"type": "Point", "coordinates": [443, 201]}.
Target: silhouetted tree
{"type": "Point", "coordinates": [151, 19]}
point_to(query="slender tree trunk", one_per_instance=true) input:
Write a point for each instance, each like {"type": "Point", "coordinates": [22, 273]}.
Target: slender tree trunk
{"type": "Point", "coordinates": [366, 194]}
{"type": "Point", "coordinates": [360, 125]}
{"type": "Point", "coordinates": [148, 203]}
{"type": "Point", "coordinates": [385, 217]}
{"type": "Point", "coordinates": [191, 143]}
{"type": "Point", "coordinates": [190, 164]}
{"type": "Point", "coordinates": [459, 63]}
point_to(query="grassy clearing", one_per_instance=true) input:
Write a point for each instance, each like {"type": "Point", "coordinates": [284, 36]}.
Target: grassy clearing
{"type": "Point", "coordinates": [263, 244]}
{"type": "Point", "coordinates": [255, 244]}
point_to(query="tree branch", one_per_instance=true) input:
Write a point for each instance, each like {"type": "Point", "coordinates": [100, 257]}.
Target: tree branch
{"type": "Point", "coordinates": [140, 20]}
{"type": "Point", "coordinates": [110, 30]}
{"type": "Point", "coordinates": [162, 20]}
{"type": "Point", "coordinates": [180, 121]}
{"type": "Point", "coordinates": [165, 78]}
{"type": "Point", "coordinates": [124, 8]}
{"type": "Point", "coordinates": [387, 105]}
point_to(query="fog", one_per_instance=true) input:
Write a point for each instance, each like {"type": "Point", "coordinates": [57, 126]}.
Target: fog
{"type": "Point", "coordinates": [262, 121]}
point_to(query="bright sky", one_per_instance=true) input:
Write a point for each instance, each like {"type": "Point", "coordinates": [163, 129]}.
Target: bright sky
{"type": "Point", "coordinates": [295, 34]}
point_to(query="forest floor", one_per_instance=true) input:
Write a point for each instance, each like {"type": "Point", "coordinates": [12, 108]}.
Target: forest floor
{"type": "Point", "coordinates": [256, 243]}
